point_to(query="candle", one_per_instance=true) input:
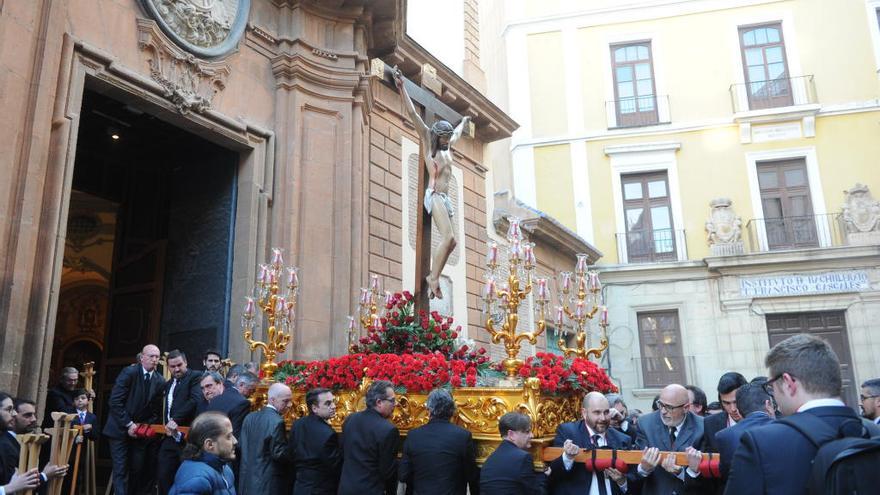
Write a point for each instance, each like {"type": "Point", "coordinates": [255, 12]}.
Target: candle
{"type": "Point", "coordinates": [277, 257]}
{"type": "Point", "coordinates": [273, 276]}
{"type": "Point", "coordinates": [541, 289]}
{"type": "Point", "coordinates": [374, 282]}
{"type": "Point", "coordinates": [566, 282]}
{"type": "Point", "coordinates": [249, 308]}
{"type": "Point", "coordinates": [582, 284]}
{"type": "Point", "coordinates": [492, 254]}
{"type": "Point", "coordinates": [579, 310]}
{"type": "Point", "coordinates": [375, 322]}
{"type": "Point", "coordinates": [531, 260]}
{"type": "Point", "coordinates": [595, 285]}
{"type": "Point", "coordinates": [388, 299]}
{"type": "Point", "coordinates": [291, 313]}
{"type": "Point", "coordinates": [513, 231]}
{"type": "Point", "coordinates": [581, 267]}
{"type": "Point", "coordinates": [365, 297]}
{"type": "Point", "coordinates": [515, 249]}
{"type": "Point", "coordinates": [264, 274]}
{"type": "Point", "coordinates": [489, 289]}
{"type": "Point", "coordinates": [352, 326]}
{"type": "Point", "coordinates": [280, 305]}
{"type": "Point", "coordinates": [292, 277]}
{"type": "Point", "coordinates": [560, 314]}
{"type": "Point", "coordinates": [603, 318]}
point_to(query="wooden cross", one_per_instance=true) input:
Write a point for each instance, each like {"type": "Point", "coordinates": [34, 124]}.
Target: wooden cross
{"type": "Point", "coordinates": [432, 110]}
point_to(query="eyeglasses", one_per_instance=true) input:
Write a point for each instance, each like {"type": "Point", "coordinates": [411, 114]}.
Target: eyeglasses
{"type": "Point", "coordinates": [389, 399]}
{"type": "Point", "coordinates": [668, 407]}
{"type": "Point", "coordinates": [863, 398]}
{"type": "Point", "coordinates": [768, 385]}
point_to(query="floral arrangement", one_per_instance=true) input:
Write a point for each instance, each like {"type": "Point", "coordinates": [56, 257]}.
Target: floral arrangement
{"type": "Point", "coordinates": [559, 374]}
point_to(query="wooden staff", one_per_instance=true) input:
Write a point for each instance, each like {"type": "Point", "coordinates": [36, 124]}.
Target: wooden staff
{"type": "Point", "coordinates": [91, 479]}
{"type": "Point", "coordinates": [34, 454]}
{"type": "Point", "coordinates": [80, 431]}
{"type": "Point", "coordinates": [60, 453]}
{"type": "Point", "coordinates": [627, 456]}
{"type": "Point", "coordinates": [25, 441]}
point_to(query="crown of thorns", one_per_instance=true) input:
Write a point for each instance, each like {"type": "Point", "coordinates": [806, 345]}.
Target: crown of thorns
{"type": "Point", "coordinates": [442, 128]}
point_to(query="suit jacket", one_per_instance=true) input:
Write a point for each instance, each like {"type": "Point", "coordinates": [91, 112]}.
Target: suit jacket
{"type": "Point", "coordinates": [57, 400]}
{"type": "Point", "coordinates": [439, 458]}
{"type": "Point", "coordinates": [577, 480]}
{"type": "Point", "coordinates": [653, 433]}
{"type": "Point", "coordinates": [712, 425]}
{"type": "Point", "coordinates": [776, 459]}
{"type": "Point", "coordinates": [91, 419]}
{"type": "Point", "coordinates": [187, 396]}
{"type": "Point", "coordinates": [264, 450]}
{"type": "Point", "coordinates": [9, 452]}
{"type": "Point", "coordinates": [313, 446]}
{"type": "Point", "coordinates": [232, 404]}
{"type": "Point", "coordinates": [369, 448]}
{"type": "Point", "coordinates": [131, 401]}
{"type": "Point", "coordinates": [510, 471]}
{"type": "Point", "coordinates": [728, 439]}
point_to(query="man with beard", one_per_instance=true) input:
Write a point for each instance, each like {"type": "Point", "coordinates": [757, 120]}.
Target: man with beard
{"type": "Point", "coordinates": [130, 405]}
{"type": "Point", "coordinates": [212, 361]}
{"type": "Point", "coordinates": [671, 428]}
{"type": "Point", "coordinates": [60, 397]}
{"type": "Point", "coordinates": [870, 400]}
{"type": "Point", "coordinates": [26, 422]}
{"type": "Point", "coordinates": [11, 481]}
{"type": "Point", "coordinates": [209, 450]}
{"type": "Point", "coordinates": [313, 446]}
{"type": "Point", "coordinates": [180, 396]}
{"type": "Point", "coordinates": [264, 446]}
{"type": "Point", "coordinates": [591, 433]}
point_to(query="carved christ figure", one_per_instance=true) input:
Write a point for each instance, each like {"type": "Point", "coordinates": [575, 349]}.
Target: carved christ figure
{"type": "Point", "coordinates": [436, 144]}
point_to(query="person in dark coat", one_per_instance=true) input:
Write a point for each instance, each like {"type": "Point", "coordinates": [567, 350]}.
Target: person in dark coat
{"type": "Point", "coordinates": [175, 407]}
{"type": "Point", "coordinates": [510, 469]}
{"type": "Point", "coordinates": [369, 445]}
{"type": "Point", "coordinates": [619, 417]}
{"type": "Point", "coordinates": [130, 404]}
{"type": "Point", "coordinates": [10, 480]}
{"type": "Point", "coordinates": [265, 466]}
{"type": "Point", "coordinates": [91, 433]}
{"type": "Point", "coordinates": [439, 458]}
{"type": "Point", "coordinates": [216, 397]}
{"type": "Point", "coordinates": [756, 407]}
{"type": "Point", "coordinates": [728, 384]}
{"type": "Point", "coordinates": [205, 469]}
{"type": "Point", "coordinates": [805, 380]}
{"type": "Point", "coordinates": [60, 397]}
{"type": "Point", "coordinates": [591, 433]}
{"type": "Point", "coordinates": [313, 447]}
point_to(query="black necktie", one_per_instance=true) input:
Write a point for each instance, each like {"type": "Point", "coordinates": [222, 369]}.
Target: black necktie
{"type": "Point", "coordinates": [672, 437]}
{"type": "Point", "coordinates": [600, 476]}
{"type": "Point", "coordinates": [146, 388]}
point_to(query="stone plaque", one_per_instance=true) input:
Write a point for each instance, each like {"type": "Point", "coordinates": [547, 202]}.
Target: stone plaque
{"type": "Point", "coordinates": [804, 284]}
{"type": "Point", "coordinates": [776, 132]}
{"type": "Point", "coordinates": [205, 28]}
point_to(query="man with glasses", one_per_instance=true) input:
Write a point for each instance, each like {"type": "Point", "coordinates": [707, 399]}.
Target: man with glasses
{"type": "Point", "coordinates": [510, 469]}
{"type": "Point", "coordinates": [369, 445]}
{"type": "Point", "coordinates": [671, 428]}
{"type": "Point", "coordinates": [870, 400]}
{"type": "Point", "coordinates": [805, 382]}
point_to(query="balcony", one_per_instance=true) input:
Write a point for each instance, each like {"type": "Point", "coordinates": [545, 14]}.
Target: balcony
{"type": "Point", "coordinates": [778, 93]}
{"type": "Point", "coordinates": [802, 232]}
{"type": "Point", "coordinates": [651, 246]}
{"type": "Point", "coordinates": [637, 111]}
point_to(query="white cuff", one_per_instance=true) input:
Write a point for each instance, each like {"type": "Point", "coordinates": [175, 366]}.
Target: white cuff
{"type": "Point", "coordinates": [568, 463]}
{"type": "Point", "coordinates": [642, 472]}
{"type": "Point", "coordinates": [693, 474]}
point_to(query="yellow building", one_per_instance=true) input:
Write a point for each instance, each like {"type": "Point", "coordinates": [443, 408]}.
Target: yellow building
{"type": "Point", "coordinates": [721, 154]}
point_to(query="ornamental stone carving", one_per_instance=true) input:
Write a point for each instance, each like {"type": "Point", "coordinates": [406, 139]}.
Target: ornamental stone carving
{"type": "Point", "coordinates": [189, 83]}
{"type": "Point", "coordinates": [723, 229]}
{"type": "Point", "coordinates": [205, 28]}
{"type": "Point", "coordinates": [861, 216]}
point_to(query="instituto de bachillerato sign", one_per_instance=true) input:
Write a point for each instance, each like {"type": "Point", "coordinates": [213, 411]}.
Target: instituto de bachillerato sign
{"type": "Point", "coordinates": [804, 284]}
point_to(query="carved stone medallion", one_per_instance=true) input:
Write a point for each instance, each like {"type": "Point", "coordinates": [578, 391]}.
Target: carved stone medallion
{"type": "Point", "coordinates": [861, 216]}
{"type": "Point", "coordinates": [724, 228]}
{"type": "Point", "coordinates": [205, 28]}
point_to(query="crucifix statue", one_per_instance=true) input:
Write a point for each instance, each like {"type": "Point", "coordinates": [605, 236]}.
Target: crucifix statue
{"type": "Point", "coordinates": [436, 147]}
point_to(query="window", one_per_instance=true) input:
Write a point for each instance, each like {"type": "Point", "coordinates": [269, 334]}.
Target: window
{"type": "Point", "coordinates": [634, 93]}
{"type": "Point", "coordinates": [649, 235]}
{"type": "Point", "coordinates": [660, 343]}
{"type": "Point", "coordinates": [768, 83]}
{"type": "Point", "coordinates": [785, 199]}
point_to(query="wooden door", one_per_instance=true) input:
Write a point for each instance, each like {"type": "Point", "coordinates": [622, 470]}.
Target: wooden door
{"type": "Point", "coordinates": [788, 211]}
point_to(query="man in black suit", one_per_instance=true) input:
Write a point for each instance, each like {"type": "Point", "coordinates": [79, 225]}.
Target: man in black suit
{"type": "Point", "coordinates": [217, 397]}
{"type": "Point", "coordinates": [179, 399]}
{"type": "Point", "coordinates": [130, 404]}
{"type": "Point", "coordinates": [592, 432]}
{"type": "Point", "coordinates": [671, 428]}
{"type": "Point", "coordinates": [440, 457]}
{"type": "Point", "coordinates": [510, 470]}
{"type": "Point", "coordinates": [60, 397]}
{"type": "Point", "coordinates": [369, 445]}
{"type": "Point", "coordinates": [729, 383]}
{"type": "Point", "coordinates": [805, 380]}
{"type": "Point", "coordinates": [10, 481]}
{"type": "Point", "coordinates": [313, 446]}
{"type": "Point", "coordinates": [265, 467]}
{"type": "Point", "coordinates": [756, 407]}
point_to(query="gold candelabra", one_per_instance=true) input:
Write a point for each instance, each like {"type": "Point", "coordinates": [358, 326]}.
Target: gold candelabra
{"type": "Point", "coordinates": [369, 312]}
{"type": "Point", "coordinates": [504, 301]}
{"type": "Point", "coordinates": [581, 301]}
{"type": "Point", "coordinates": [279, 308]}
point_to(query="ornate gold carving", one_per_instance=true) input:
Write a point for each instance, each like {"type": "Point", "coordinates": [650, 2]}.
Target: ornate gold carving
{"type": "Point", "coordinates": [189, 83]}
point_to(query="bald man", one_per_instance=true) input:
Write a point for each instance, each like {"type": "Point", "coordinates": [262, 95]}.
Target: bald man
{"type": "Point", "coordinates": [264, 462]}
{"type": "Point", "coordinates": [136, 387]}
{"type": "Point", "coordinates": [671, 428]}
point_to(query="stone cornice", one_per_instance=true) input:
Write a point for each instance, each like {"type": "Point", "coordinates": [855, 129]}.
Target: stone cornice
{"type": "Point", "coordinates": [546, 231]}
{"type": "Point", "coordinates": [798, 259]}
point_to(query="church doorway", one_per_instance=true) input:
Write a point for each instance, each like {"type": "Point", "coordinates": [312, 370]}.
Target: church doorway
{"type": "Point", "coordinates": [149, 242]}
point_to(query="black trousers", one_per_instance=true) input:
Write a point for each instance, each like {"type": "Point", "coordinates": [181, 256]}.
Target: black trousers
{"type": "Point", "coordinates": [134, 465]}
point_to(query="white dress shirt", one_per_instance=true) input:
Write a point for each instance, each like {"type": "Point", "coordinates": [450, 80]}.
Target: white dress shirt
{"type": "Point", "coordinates": [594, 484]}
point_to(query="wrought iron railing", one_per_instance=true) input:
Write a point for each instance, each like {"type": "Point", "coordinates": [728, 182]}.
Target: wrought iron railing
{"type": "Point", "coordinates": [773, 93]}
{"type": "Point", "coordinates": [637, 111]}
{"type": "Point", "coordinates": [800, 232]}
{"type": "Point", "coordinates": [650, 246]}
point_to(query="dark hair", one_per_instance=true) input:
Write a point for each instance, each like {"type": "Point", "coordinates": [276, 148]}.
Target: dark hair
{"type": "Point", "coordinates": [714, 406]}
{"type": "Point", "coordinates": [729, 382]}
{"type": "Point", "coordinates": [4, 396]}
{"type": "Point", "coordinates": [206, 426]}
{"type": "Point", "coordinates": [80, 391]}
{"type": "Point", "coordinates": [377, 391]}
{"type": "Point", "coordinates": [176, 353]}
{"type": "Point", "coordinates": [699, 397]}
{"type": "Point", "coordinates": [440, 128]}
{"type": "Point", "coordinates": [312, 397]}
{"type": "Point", "coordinates": [654, 405]}
{"type": "Point", "coordinates": [246, 378]}
{"type": "Point", "coordinates": [19, 401]}
{"type": "Point", "coordinates": [751, 397]}
{"type": "Point", "coordinates": [873, 386]}
{"type": "Point", "coordinates": [235, 371]}
{"type": "Point", "coordinates": [440, 404]}
{"type": "Point", "coordinates": [809, 359]}
{"type": "Point", "coordinates": [513, 421]}
{"type": "Point", "coordinates": [217, 377]}
{"type": "Point", "coordinates": [209, 352]}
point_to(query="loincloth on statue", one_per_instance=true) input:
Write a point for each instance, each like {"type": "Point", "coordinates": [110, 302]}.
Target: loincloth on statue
{"type": "Point", "coordinates": [429, 203]}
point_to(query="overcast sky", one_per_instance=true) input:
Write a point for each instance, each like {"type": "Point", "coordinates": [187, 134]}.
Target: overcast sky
{"type": "Point", "coordinates": [439, 27]}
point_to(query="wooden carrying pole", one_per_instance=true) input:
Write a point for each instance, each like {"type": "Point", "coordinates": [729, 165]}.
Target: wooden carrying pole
{"type": "Point", "coordinates": [627, 456]}
{"type": "Point", "coordinates": [79, 430]}
{"type": "Point", "coordinates": [62, 442]}
{"type": "Point", "coordinates": [91, 481]}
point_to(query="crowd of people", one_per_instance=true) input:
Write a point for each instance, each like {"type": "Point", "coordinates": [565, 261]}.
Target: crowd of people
{"type": "Point", "coordinates": [211, 443]}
